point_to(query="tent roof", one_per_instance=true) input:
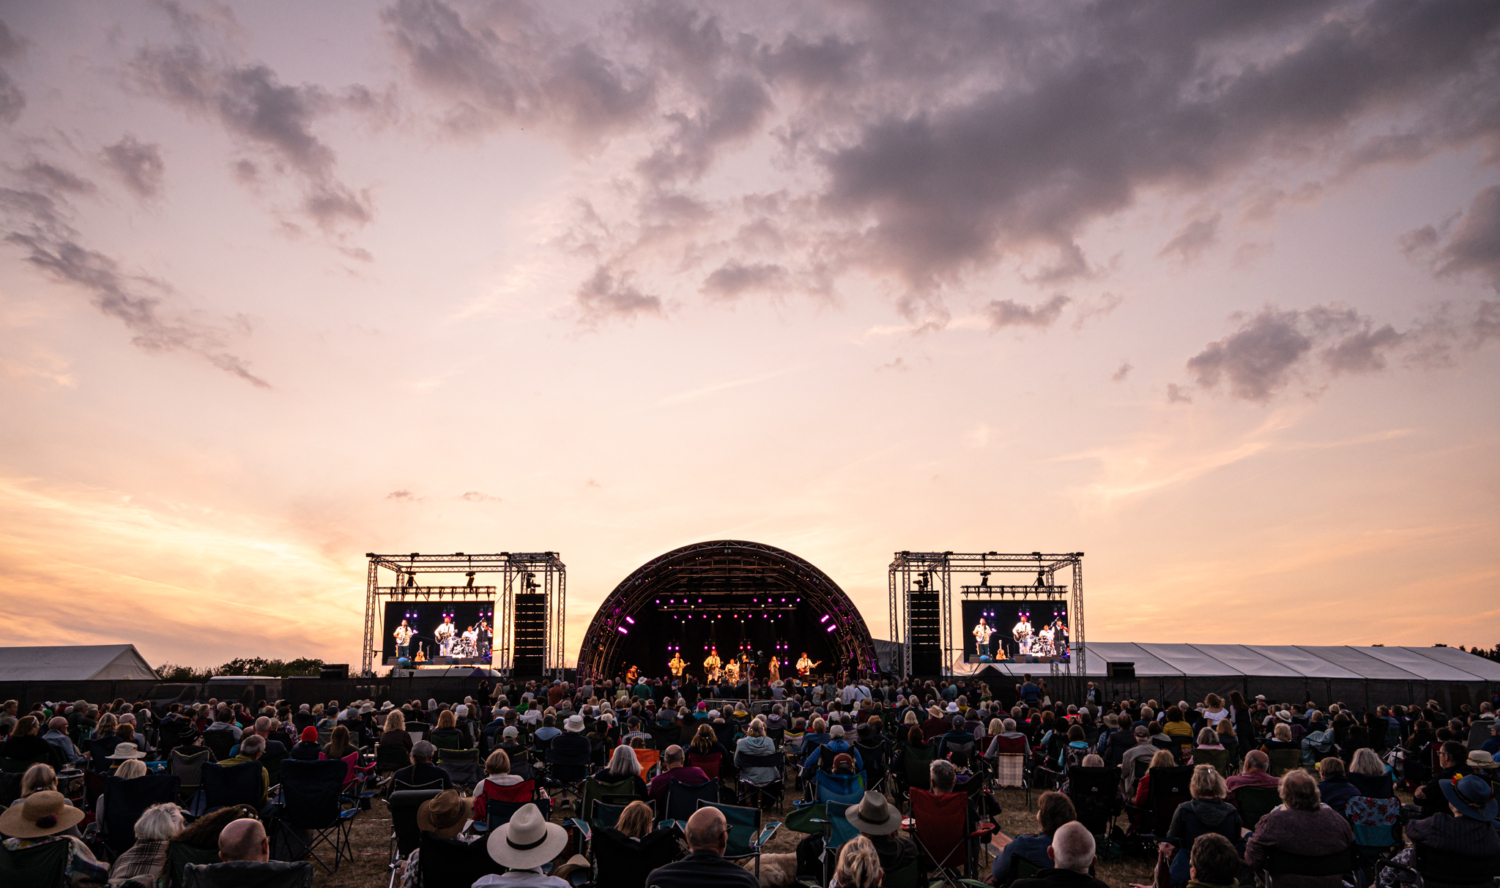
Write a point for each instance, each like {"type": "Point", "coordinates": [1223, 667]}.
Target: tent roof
{"type": "Point", "coordinates": [1278, 661]}
{"type": "Point", "coordinates": [88, 662]}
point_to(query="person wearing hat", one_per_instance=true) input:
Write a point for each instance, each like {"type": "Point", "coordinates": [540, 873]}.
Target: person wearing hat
{"type": "Point", "coordinates": [522, 846]}
{"type": "Point", "coordinates": [306, 749]}
{"type": "Point", "coordinates": [707, 835]}
{"type": "Point", "coordinates": [444, 815]}
{"type": "Point", "coordinates": [571, 745]}
{"type": "Point", "coordinates": [43, 818]}
{"type": "Point", "coordinates": [881, 824]}
{"type": "Point", "coordinates": [1452, 761]}
{"type": "Point", "coordinates": [1465, 832]}
{"type": "Point", "coordinates": [824, 756]}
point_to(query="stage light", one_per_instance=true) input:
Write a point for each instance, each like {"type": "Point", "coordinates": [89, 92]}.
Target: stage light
{"type": "Point", "coordinates": [832, 626]}
{"type": "Point", "coordinates": [623, 631]}
{"type": "Point", "coordinates": [824, 619]}
{"type": "Point", "coordinates": [630, 620]}
{"type": "Point", "coordinates": [411, 580]}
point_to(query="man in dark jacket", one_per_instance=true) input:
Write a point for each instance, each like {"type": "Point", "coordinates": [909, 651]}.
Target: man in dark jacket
{"type": "Point", "coordinates": [1451, 758]}
{"type": "Point", "coordinates": [1335, 789]}
{"type": "Point", "coordinates": [707, 836]}
{"type": "Point", "coordinates": [1072, 853]}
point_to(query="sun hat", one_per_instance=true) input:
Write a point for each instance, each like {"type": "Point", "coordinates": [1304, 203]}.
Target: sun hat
{"type": "Point", "coordinates": [43, 813]}
{"type": "Point", "coordinates": [444, 814]}
{"type": "Point", "coordinates": [1482, 760]}
{"type": "Point", "coordinates": [574, 724]}
{"type": "Point", "coordinates": [873, 816]}
{"type": "Point", "coordinates": [952, 707]}
{"type": "Point", "coordinates": [126, 751]}
{"type": "Point", "coordinates": [1470, 795]}
{"type": "Point", "coordinates": [527, 841]}
{"type": "Point", "coordinates": [1284, 715]}
{"type": "Point", "coordinates": [310, 734]}
{"type": "Point", "coordinates": [387, 705]}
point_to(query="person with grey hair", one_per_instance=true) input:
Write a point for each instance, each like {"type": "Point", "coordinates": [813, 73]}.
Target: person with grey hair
{"type": "Point", "coordinates": [251, 749]}
{"type": "Point", "coordinates": [674, 768]}
{"type": "Point", "coordinates": [1304, 826]}
{"type": "Point", "coordinates": [422, 771]}
{"type": "Point", "coordinates": [1072, 852]}
{"type": "Point", "coordinates": [144, 862]}
{"type": "Point", "coordinates": [943, 776]}
{"type": "Point", "coordinates": [57, 735]}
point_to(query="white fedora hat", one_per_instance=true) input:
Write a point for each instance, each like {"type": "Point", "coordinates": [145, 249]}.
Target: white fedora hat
{"type": "Point", "coordinates": [527, 841]}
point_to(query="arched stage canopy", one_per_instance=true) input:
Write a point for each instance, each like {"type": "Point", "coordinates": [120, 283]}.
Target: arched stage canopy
{"type": "Point", "coordinates": [729, 594]}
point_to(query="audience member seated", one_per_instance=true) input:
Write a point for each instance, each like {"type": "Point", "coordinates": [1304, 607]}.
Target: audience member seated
{"type": "Point", "coordinates": [1465, 830]}
{"type": "Point", "coordinates": [627, 852]}
{"type": "Point", "coordinates": [1368, 775]}
{"type": "Point", "coordinates": [39, 777]}
{"type": "Point", "coordinates": [623, 765]}
{"type": "Point", "coordinates": [394, 734]}
{"type": "Point", "coordinates": [1302, 826]}
{"type": "Point", "coordinates": [1335, 789]}
{"type": "Point", "coordinates": [571, 745]}
{"type": "Point", "coordinates": [26, 745]}
{"type": "Point", "coordinates": [129, 769]}
{"type": "Point", "coordinates": [57, 735]}
{"type": "Point", "coordinates": [422, 771]}
{"type": "Point", "coordinates": [673, 769]}
{"type": "Point", "coordinates": [523, 846]}
{"type": "Point", "coordinates": [880, 823]}
{"type": "Point", "coordinates": [1452, 759]}
{"type": "Point", "coordinates": [1162, 759]}
{"type": "Point", "coordinates": [447, 735]}
{"type": "Point", "coordinates": [1255, 773]}
{"type": "Point", "coordinates": [1281, 738]}
{"type": "Point", "coordinates": [251, 749]}
{"type": "Point", "coordinates": [755, 742]}
{"type": "Point", "coordinates": [707, 836]}
{"type": "Point", "coordinates": [306, 749]}
{"type": "Point", "coordinates": [1053, 809]}
{"type": "Point", "coordinates": [1143, 748]}
{"type": "Point", "coordinates": [43, 818]}
{"type": "Point", "coordinates": [858, 866]}
{"type": "Point", "coordinates": [1206, 813]}
{"type": "Point", "coordinates": [145, 861]}
{"type": "Point", "coordinates": [1071, 855]}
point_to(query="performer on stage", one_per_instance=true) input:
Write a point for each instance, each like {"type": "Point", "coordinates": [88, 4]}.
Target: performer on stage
{"type": "Point", "coordinates": [403, 635]}
{"type": "Point", "coordinates": [471, 642]}
{"type": "Point", "coordinates": [805, 665]}
{"type": "Point", "coordinates": [1044, 640]}
{"type": "Point", "coordinates": [982, 634]}
{"type": "Point", "coordinates": [1022, 634]}
{"type": "Point", "coordinates": [773, 672]}
{"type": "Point", "coordinates": [732, 671]}
{"type": "Point", "coordinates": [444, 636]}
{"type": "Point", "coordinates": [747, 667]}
{"type": "Point", "coordinates": [677, 664]}
{"type": "Point", "coordinates": [632, 674]}
{"type": "Point", "coordinates": [486, 639]}
{"type": "Point", "coordinates": [711, 664]}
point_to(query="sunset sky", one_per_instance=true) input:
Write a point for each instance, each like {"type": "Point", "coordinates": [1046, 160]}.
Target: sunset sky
{"type": "Point", "coordinates": [1208, 292]}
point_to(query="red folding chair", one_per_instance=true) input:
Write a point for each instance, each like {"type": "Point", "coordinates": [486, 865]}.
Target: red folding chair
{"type": "Point", "coordinates": [940, 826]}
{"type": "Point", "coordinates": [709, 764]}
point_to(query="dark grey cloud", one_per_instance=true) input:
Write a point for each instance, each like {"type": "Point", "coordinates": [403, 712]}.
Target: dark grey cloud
{"type": "Point", "coordinates": [733, 279]}
{"type": "Point", "coordinates": [1120, 374]}
{"type": "Point", "coordinates": [138, 164]}
{"type": "Point", "coordinates": [1473, 246]}
{"type": "Point", "coordinates": [1003, 313]}
{"type": "Point", "coordinates": [255, 107]}
{"type": "Point", "coordinates": [504, 67]}
{"type": "Point", "coordinates": [35, 219]}
{"type": "Point", "coordinates": [12, 99]}
{"type": "Point", "coordinates": [1192, 240]}
{"type": "Point", "coordinates": [1272, 347]}
{"type": "Point", "coordinates": [605, 297]}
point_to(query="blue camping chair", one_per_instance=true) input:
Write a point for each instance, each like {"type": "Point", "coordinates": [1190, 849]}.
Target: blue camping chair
{"type": "Point", "coordinates": [845, 788]}
{"type": "Point", "coordinates": [311, 801]}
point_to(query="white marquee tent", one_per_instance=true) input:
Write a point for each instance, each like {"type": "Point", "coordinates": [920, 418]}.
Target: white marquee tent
{"type": "Point", "coordinates": [88, 662]}
{"type": "Point", "coordinates": [1359, 676]}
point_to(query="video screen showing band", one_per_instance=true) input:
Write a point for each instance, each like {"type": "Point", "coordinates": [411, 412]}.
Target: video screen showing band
{"type": "Point", "coordinates": [1005, 630]}
{"type": "Point", "coordinates": [434, 630]}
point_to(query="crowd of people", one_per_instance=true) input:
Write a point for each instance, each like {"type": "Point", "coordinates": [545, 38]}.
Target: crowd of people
{"type": "Point", "coordinates": [1325, 766]}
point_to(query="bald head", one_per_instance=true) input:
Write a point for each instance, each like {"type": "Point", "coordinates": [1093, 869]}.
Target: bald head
{"type": "Point", "coordinates": [1072, 848]}
{"type": "Point", "coordinates": [58, 724]}
{"type": "Point", "coordinates": [244, 839]}
{"type": "Point", "coordinates": [1255, 760]}
{"type": "Point", "coordinates": [707, 830]}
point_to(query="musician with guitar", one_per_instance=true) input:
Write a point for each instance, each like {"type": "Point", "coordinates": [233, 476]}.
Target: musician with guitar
{"type": "Point", "coordinates": [711, 664]}
{"type": "Point", "coordinates": [805, 665]}
{"type": "Point", "coordinates": [676, 665]}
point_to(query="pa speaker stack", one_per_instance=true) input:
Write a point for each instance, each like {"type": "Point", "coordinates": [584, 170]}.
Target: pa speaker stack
{"type": "Point", "coordinates": [530, 652]}
{"type": "Point", "coordinates": [926, 633]}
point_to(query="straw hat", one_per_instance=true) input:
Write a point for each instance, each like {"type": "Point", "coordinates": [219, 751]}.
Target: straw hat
{"type": "Point", "coordinates": [42, 814]}
{"type": "Point", "coordinates": [444, 814]}
{"type": "Point", "coordinates": [1481, 760]}
{"type": "Point", "coordinates": [527, 841]}
{"type": "Point", "coordinates": [126, 751]}
{"type": "Point", "coordinates": [574, 724]}
{"type": "Point", "coordinates": [873, 816]}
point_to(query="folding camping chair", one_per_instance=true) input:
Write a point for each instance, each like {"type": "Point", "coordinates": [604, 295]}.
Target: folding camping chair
{"type": "Point", "coordinates": [845, 788]}
{"type": "Point", "coordinates": [916, 770]}
{"type": "Point", "coordinates": [1374, 822]}
{"type": "Point", "coordinates": [684, 798]}
{"type": "Point", "coordinates": [1095, 793]}
{"type": "Point", "coordinates": [761, 792]}
{"type": "Point", "coordinates": [188, 766]}
{"type": "Point", "coordinates": [126, 800]}
{"type": "Point", "coordinates": [1254, 803]}
{"type": "Point", "coordinates": [746, 837]}
{"type": "Point", "coordinates": [502, 802]}
{"type": "Point", "coordinates": [1284, 761]}
{"type": "Point", "coordinates": [39, 865]}
{"type": "Point", "coordinates": [1169, 788]}
{"type": "Point", "coordinates": [940, 826]}
{"type": "Point", "coordinates": [239, 784]}
{"type": "Point", "coordinates": [405, 835]}
{"type": "Point", "coordinates": [450, 862]}
{"type": "Point", "coordinates": [312, 794]}
{"type": "Point", "coordinates": [567, 773]}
